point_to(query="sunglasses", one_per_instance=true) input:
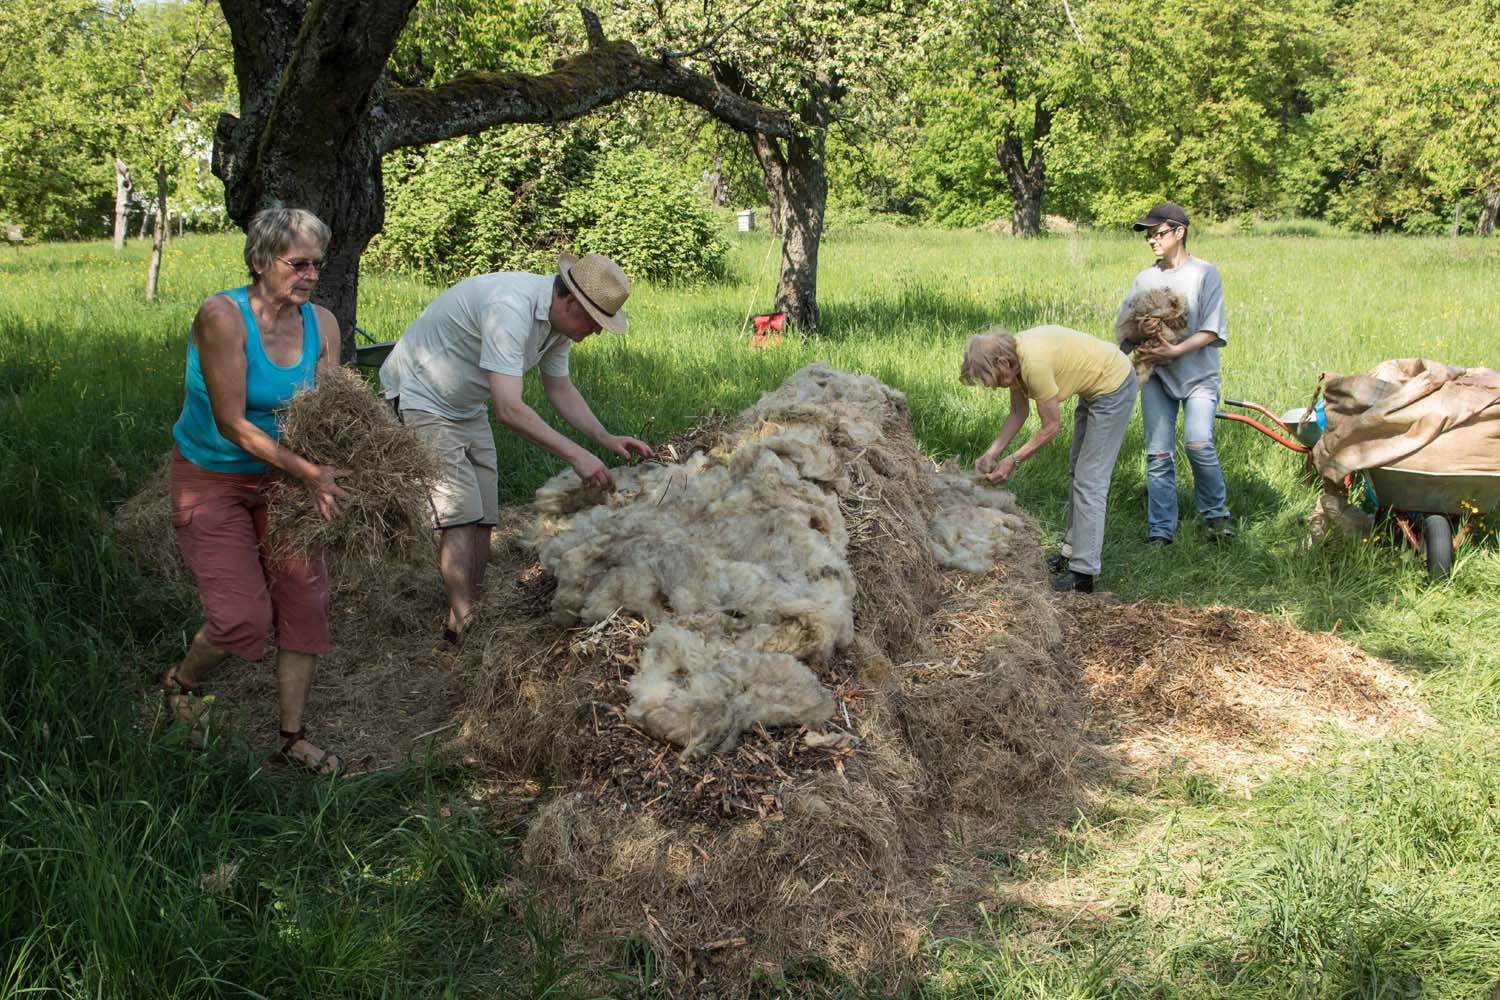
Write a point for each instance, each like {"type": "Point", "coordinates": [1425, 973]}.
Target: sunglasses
{"type": "Point", "coordinates": [303, 266]}
{"type": "Point", "coordinates": [1159, 233]}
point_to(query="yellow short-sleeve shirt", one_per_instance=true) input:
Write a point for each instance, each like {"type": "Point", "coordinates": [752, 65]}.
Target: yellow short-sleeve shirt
{"type": "Point", "coordinates": [1058, 362]}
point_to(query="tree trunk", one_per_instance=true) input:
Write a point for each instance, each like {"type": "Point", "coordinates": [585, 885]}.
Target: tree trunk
{"type": "Point", "coordinates": [718, 191]}
{"type": "Point", "coordinates": [1026, 175]}
{"type": "Point", "coordinates": [1488, 213]}
{"type": "Point", "coordinates": [798, 184]}
{"type": "Point", "coordinates": [145, 221]}
{"type": "Point", "coordinates": [316, 115]}
{"type": "Point", "coordinates": [122, 202]}
{"type": "Point", "coordinates": [159, 234]}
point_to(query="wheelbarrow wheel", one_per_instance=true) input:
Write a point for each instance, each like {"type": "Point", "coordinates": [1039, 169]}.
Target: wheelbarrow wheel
{"type": "Point", "coordinates": [1437, 540]}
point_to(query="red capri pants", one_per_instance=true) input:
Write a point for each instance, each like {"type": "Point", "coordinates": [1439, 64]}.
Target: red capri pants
{"type": "Point", "coordinates": [220, 522]}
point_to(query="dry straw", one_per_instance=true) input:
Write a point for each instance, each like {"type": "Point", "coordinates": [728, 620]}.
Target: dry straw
{"type": "Point", "coordinates": [387, 514]}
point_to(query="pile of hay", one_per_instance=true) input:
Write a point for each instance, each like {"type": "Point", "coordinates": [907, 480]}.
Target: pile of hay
{"type": "Point", "coordinates": [787, 568]}
{"type": "Point", "coordinates": [1161, 304]}
{"type": "Point", "coordinates": [341, 422]}
{"type": "Point", "coordinates": [1223, 677]}
{"type": "Point", "coordinates": [142, 527]}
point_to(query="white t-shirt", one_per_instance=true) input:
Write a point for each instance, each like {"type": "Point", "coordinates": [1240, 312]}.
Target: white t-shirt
{"type": "Point", "coordinates": [487, 323]}
{"type": "Point", "coordinates": [1197, 281]}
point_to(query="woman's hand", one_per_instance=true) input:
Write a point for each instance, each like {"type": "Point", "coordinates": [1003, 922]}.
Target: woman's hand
{"type": "Point", "coordinates": [1002, 471]}
{"type": "Point", "coordinates": [320, 482]}
{"type": "Point", "coordinates": [987, 461]}
{"type": "Point", "coordinates": [625, 446]}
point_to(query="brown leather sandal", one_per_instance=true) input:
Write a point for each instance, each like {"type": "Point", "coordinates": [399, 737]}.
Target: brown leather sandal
{"type": "Point", "coordinates": [320, 767]}
{"type": "Point", "coordinates": [190, 715]}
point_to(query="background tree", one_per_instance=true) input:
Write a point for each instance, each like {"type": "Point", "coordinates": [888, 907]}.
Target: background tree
{"type": "Point", "coordinates": [821, 60]}
{"type": "Point", "coordinates": [93, 96]}
{"type": "Point", "coordinates": [1197, 102]}
{"type": "Point", "coordinates": [1014, 58]}
{"type": "Point", "coordinates": [164, 70]}
{"type": "Point", "coordinates": [52, 180]}
{"type": "Point", "coordinates": [319, 70]}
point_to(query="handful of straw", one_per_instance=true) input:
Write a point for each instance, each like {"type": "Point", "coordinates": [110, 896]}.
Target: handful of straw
{"type": "Point", "coordinates": [388, 514]}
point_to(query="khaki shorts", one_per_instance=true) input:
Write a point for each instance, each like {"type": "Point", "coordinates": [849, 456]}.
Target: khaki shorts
{"type": "Point", "coordinates": [468, 486]}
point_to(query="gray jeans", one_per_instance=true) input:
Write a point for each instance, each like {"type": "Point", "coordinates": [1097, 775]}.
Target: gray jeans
{"type": "Point", "coordinates": [1098, 428]}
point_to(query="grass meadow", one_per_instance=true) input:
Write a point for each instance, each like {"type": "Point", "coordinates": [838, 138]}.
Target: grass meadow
{"type": "Point", "coordinates": [1373, 873]}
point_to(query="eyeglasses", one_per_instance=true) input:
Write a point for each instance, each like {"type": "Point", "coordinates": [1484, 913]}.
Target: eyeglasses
{"type": "Point", "coordinates": [1157, 234]}
{"type": "Point", "coordinates": [303, 266]}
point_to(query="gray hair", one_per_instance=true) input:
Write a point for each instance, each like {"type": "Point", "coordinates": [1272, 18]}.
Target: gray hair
{"type": "Point", "coordinates": [983, 356]}
{"type": "Point", "coordinates": [272, 230]}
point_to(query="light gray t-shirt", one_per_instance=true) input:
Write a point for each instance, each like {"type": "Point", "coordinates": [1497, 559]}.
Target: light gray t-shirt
{"type": "Point", "coordinates": [1197, 281]}
{"type": "Point", "coordinates": [487, 323]}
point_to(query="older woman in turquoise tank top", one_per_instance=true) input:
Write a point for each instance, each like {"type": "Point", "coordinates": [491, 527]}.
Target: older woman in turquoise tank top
{"type": "Point", "coordinates": [251, 348]}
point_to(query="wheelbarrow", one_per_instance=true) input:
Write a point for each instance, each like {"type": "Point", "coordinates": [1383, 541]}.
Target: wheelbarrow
{"type": "Point", "coordinates": [1424, 505]}
{"type": "Point", "coordinates": [369, 352]}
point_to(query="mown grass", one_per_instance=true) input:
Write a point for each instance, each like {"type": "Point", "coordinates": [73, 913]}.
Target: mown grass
{"type": "Point", "coordinates": [1370, 874]}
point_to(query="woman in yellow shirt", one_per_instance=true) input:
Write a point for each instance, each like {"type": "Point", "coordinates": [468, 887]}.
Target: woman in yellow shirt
{"type": "Point", "coordinates": [1050, 364]}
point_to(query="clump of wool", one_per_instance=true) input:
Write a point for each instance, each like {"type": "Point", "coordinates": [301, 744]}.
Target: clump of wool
{"type": "Point", "coordinates": [1170, 312]}
{"type": "Point", "coordinates": [748, 542]}
{"type": "Point", "coordinates": [972, 524]}
{"type": "Point", "coordinates": [701, 692]}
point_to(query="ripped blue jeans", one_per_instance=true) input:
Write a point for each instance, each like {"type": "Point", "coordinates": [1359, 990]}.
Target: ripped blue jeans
{"type": "Point", "coordinates": [1159, 423]}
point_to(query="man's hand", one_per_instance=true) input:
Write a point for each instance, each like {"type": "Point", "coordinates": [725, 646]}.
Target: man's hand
{"type": "Point", "coordinates": [987, 461]}
{"type": "Point", "coordinates": [593, 472]}
{"type": "Point", "coordinates": [625, 446]}
{"type": "Point", "coordinates": [325, 491]}
{"type": "Point", "coordinates": [1002, 471]}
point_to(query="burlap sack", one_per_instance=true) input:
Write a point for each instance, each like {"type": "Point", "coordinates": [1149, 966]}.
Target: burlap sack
{"type": "Point", "coordinates": [1411, 414]}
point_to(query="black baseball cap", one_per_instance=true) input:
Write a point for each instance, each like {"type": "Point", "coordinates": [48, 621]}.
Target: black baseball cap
{"type": "Point", "coordinates": [1167, 211]}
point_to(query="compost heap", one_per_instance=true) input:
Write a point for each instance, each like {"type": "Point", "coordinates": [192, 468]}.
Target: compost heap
{"type": "Point", "coordinates": [801, 562]}
{"type": "Point", "coordinates": [1411, 414]}
{"type": "Point", "coordinates": [743, 776]}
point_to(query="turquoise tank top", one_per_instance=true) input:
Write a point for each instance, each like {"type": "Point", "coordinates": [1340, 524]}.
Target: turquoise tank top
{"type": "Point", "coordinates": [268, 387]}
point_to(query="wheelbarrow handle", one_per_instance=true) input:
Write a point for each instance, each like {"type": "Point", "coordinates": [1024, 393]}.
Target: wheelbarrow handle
{"type": "Point", "coordinates": [1276, 436]}
{"type": "Point", "coordinates": [1257, 408]}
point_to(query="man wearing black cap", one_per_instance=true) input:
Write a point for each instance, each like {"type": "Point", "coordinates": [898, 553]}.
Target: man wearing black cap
{"type": "Point", "coordinates": [1186, 375]}
{"type": "Point", "coordinates": [471, 346]}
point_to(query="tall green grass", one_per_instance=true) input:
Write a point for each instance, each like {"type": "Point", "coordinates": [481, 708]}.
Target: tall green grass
{"type": "Point", "coordinates": [1371, 874]}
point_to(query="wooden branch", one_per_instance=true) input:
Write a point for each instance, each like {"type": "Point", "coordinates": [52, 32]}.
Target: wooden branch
{"type": "Point", "coordinates": [603, 73]}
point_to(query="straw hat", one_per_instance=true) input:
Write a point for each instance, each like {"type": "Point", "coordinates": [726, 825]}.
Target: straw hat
{"type": "Point", "coordinates": [600, 286]}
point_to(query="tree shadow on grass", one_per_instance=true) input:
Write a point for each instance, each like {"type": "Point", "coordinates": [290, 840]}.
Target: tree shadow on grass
{"type": "Point", "coordinates": [915, 305]}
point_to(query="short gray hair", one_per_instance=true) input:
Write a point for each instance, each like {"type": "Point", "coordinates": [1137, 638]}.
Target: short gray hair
{"type": "Point", "coordinates": [983, 355]}
{"type": "Point", "coordinates": [272, 230]}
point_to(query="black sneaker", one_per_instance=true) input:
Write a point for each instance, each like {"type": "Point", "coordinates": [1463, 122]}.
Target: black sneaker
{"type": "Point", "coordinates": [1219, 527]}
{"type": "Point", "coordinates": [1159, 540]}
{"type": "Point", "coordinates": [1072, 580]}
{"type": "Point", "coordinates": [1057, 563]}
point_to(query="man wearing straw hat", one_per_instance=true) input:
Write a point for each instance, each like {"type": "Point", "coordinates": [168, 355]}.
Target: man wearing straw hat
{"type": "Point", "coordinates": [473, 345]}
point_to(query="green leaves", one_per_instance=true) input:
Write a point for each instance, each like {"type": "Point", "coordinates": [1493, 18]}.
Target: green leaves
{"type": "Point", "coordinates": [513, 198]}
{"type": "Point", "coordinates": [82, 83]}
